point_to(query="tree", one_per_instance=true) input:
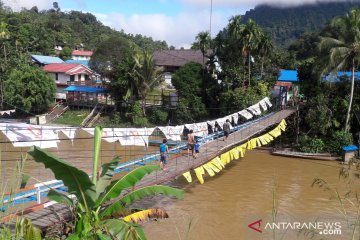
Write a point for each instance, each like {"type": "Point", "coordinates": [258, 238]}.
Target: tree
{"type": "Point", "coordinates": [30, 89]}
{"type": "Point", "coordinates": [203, 42]}
{"type": "Point", "coordinates": [187, 80]}
{"type": "Point", "coordinates": [265, 47]}
{"type": "Point", "coordinates": [250, 38]}
{"type": "Point", "coordinates": [93, 219]}
{"type": "Point", "coordinates": [65, 54]}
{"type": "Point", "coordinates": [342, 51]}
{"type": "Point", "coordinates": [146, 76]}
{"type": "Point", "coordinates": [4, 36]}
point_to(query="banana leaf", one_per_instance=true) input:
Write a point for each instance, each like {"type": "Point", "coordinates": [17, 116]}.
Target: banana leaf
{"type": "Point", "coordinates": [107, 172]}
{"type": "Point", "coordinates": [60, 198]}
{"type": "Point", "coordinates": [138, 194]}
{"type": "Point", "coordinates": [129, 180]}
{"type": "Point", "coordinates": [124, 230]}
{"type": "Point", "coordinates": [77, 181]}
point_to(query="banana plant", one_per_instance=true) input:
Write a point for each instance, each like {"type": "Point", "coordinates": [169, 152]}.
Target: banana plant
{"type": "Point", "coordinates": [99, 199]}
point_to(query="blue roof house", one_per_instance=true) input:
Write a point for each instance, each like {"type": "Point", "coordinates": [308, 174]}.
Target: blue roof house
{"type": "Point", "coordinates": [288, 76]}
{"type": "Point", "coordinates": [44, 60]}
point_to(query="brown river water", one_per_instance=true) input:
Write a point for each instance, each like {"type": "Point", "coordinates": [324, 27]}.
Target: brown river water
{"type": "Point", "coordinates": [224, 206]}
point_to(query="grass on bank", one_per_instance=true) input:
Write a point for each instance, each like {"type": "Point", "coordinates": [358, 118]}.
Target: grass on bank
{"type": "Point", "coordinates": [72, 117]}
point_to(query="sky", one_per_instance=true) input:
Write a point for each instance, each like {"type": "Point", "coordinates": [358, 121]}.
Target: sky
{"type": "Point", "coordinates": [175, 21]}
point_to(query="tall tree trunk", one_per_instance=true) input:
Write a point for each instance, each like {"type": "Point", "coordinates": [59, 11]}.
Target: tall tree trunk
{"type": "Point", "coordinates": [262, 68]}
{"type": "Point", "coordinates": [347, 124]}
{"type": "Point", "coordinates": [143, 106]}
{"type": "Point", "coordinates": [249, 69]}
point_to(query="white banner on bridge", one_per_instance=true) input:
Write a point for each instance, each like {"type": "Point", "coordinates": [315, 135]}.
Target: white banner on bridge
{"type": "Point", "coordinates": [26, 135]}
{"type": "Point", "coordinates": [235, 116]}
{"type": "Point", "coordinates": [255, 109]}
{"type": "Point", "coordinates": [199, 129]}
{"type": "Point", "coordinates": [263, 104]}
{"type": "Point", "coordinates": [172, 132]}
{"type": "Point", "coordinates": [245, 114]}
{"type": "Point", "coordinates": [133, 136]}
{"type": "Point", "coordinates": [268, 102]}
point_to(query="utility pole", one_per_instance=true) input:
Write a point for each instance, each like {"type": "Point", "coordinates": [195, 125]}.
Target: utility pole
{"type": "Point", "coordinates": [210, 17]}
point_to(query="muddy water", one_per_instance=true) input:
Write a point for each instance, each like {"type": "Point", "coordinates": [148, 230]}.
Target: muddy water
{"type": "Point", "coordinates": [77, 152]}
{"type": "Point", "coordinates": [224, 205]}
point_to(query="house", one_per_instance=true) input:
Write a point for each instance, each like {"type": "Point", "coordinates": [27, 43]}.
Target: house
{"type": "Point", "coordinates": [44, 60]}
{"type": "Point", "coordinates": [286, 86]}
{"type": "Point", "coordinates": [68, 74]}
{"type": "Point", "coordinates": [81, 55]}
{"type": "Point", "coordinates": [172, 60]}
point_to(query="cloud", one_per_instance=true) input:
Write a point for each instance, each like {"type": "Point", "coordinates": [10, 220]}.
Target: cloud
{"type": "Point", "coordinates": [239, 3]}
{"type": "Point", "coordinates": [179, 30]}
{"type": "Point", "coordinates": [18, 4]}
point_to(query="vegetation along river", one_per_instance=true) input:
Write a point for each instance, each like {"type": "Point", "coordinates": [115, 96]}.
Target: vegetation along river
{"type": "Point", "coordinates": [224, 206]}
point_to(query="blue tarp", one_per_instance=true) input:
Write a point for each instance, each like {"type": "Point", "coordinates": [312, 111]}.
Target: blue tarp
{"type": "Point", "coordinates": [350, 148]}
{"type": "Point", "coordinates": [83, 62]}
{"type": "Point", "coordinates": [288, 76]}
{"type": "Point", "coordinates": [332, 77]}
{"type": "Point", "coordinates": [46, 59]}
{"type": "Point", "coordinates": [86, 89]}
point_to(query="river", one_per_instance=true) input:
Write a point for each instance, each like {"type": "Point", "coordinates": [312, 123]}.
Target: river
{"type": "Point", "coordinates": [224, 206]}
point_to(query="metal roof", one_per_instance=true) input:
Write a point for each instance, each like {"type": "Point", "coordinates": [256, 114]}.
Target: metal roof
{"type": "Point", "coordinates": [177, 58]}
{"type": "Point", "coordinates": [82, 53]}
{"type": "Point", "coordinates": [46, 59]}
{"type": "Point", "coordinates": [68, 68]}
{"type": "Point", "coordinates": [82, 62]}
{"type": "Point", "coordinates": [350, 148]}
{"type": "Point", "coordinates": [288, 76]}
{"type": "Point", "coordinates": [86, 89]}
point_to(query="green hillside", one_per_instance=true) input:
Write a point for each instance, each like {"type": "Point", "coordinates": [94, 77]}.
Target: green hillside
{"type": "Point", "coordinates": [285, 24]}
{"type": "Point", "coordinates": [34, 31]}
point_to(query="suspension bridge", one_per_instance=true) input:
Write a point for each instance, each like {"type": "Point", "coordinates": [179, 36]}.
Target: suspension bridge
{"type": "Point", "coordinates": [48, 213]}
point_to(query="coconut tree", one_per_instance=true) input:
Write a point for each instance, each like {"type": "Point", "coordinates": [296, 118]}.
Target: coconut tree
{"type": "Point", "coordinates": [203, 41]}
{"type": "Point", "coordinates": [146, 76]}
{"type": "Point", "coordinates": [265, 46]}
{"type": "Point", "coordinates": [342, 49]}
{"type": "Point", "coordinates": [250, 38]}
{"type": "Point", "coordinates": [4, 36]}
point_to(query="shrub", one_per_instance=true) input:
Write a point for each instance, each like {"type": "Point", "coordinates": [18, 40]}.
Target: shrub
{"type": "Point", "coordinates": [339, 139]}
{"type": "Point", "coordinates": [311, 145]}
{"type": "Point", "coordinates": [159, 116]}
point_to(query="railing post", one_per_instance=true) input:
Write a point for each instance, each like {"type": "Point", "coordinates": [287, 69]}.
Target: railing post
{"type": "Point", "coordinates": [38, 195]}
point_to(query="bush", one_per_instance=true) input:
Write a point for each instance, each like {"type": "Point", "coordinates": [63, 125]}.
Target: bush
{"type": "Point", "coordinates": [159, 116]}
{"type": "Point", "coordinates": [311, 145]}
{"type": "Point", "coordinates": [339, 139]}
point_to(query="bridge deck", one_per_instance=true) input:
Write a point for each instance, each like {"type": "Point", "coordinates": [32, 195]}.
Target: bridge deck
{"type": "Point", "coordinates": [178, 164]}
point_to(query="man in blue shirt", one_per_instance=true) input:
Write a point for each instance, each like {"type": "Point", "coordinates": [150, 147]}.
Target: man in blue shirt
{"type": "Point", "coordinates": [164, 151]}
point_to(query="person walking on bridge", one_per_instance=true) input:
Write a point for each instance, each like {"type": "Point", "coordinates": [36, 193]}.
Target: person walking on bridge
{"type": "Point", "coordinates": [226, 129]}
{"type": "Point", "coordinates": [164, 151]}
{"type": "Point", "coordinates": [191, 142]}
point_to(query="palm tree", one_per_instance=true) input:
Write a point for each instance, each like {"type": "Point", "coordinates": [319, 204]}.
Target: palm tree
{"type": "Point", "coordinates": [264, 48]}
{"type": "Point", "coordinates": [203, 41]}
{"type": "Point", "coordinates": [250, 38]}
{"type": "Point", "coordinates": [4, 35]}
{"type": "Point", "coordinates": [146, 76]}
{"type": "Point", "coordinates": [342, 51]}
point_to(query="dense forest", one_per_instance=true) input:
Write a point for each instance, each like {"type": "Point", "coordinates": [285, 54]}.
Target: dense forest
{"type": "Point", "coordinates": [39, 31]}
{"type": "Point", "coordinates": [285, 24]}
